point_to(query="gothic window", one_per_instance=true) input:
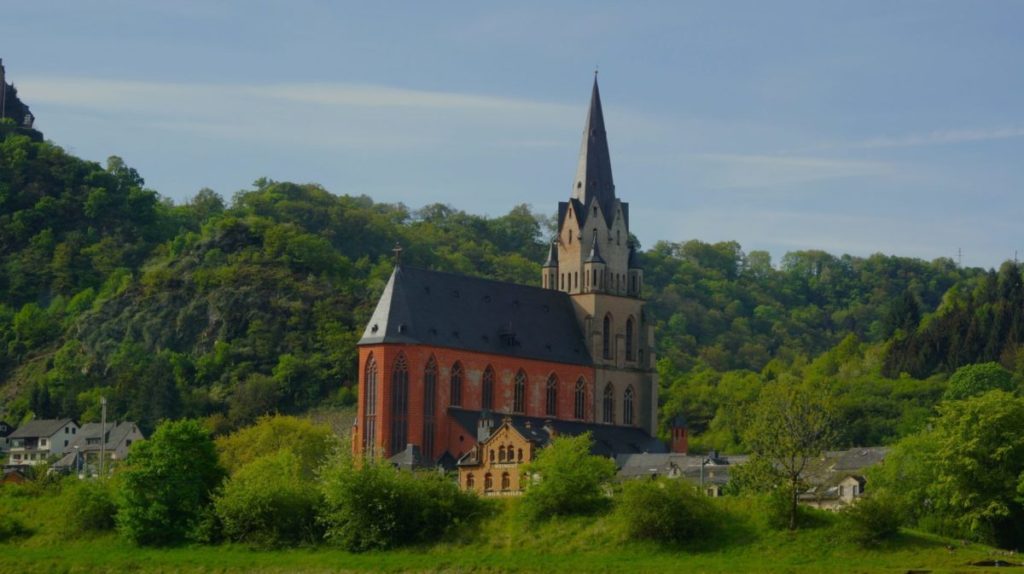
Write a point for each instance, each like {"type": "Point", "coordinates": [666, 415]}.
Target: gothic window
{"type": "Point", "coordinates": [609, 404]}
{"type": "Point", "coordinates": [399, 405]}
{"type": "Point", "coordinates": [487, 393]}
{"type": "Point", "coordinates": [580, 400]}
{"type": "Point", "coordinates": [470, 482]}
{"type": "Point", "coordinates": [519, 400]}
{"type": "Point", "coordinates": [629, 339]}
{"type": "Point", "coordinates": [456, 386]}
{"type": "Point", "coordinates": [506, 481]}
{"type": "Point", "coordinates": [370, 405]}
{"type": "Point", "coordinates": [551, 403]}
{"type": "Point", "coordinates": [488, 482]}
{"type": "Point", "coordinates": [627, 406]}
{"type": "Point", "coordinates": [606, 339]}
{"type": "Point", "coordinates": [429, 407]}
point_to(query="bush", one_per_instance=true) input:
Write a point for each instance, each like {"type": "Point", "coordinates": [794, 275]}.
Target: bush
{"type": "Point", "coordinates": [872, 520]}
{"type": "Point", "coordinates": [89, 505]}
{"type": "Point", "coordinates": [569, 480]}
{"type": "Point", "coordinates": [268, 503]}
{"type": "Point", "coordinates": [369, 505]}
{"type": "Point", "coordinates": [666, 511]}
{"type": "Point", "coordinates": [167, 483]}
{"type": "Point", "coordinates": [11, 527]}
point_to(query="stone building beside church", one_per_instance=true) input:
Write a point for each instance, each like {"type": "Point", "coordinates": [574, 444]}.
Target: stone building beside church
{"type": "Point", "coordinates": [445, 358]}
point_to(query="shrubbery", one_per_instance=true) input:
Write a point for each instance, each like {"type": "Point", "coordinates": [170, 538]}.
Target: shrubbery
{"type": "Point", "coordinates": [667, 511]}
{"type": "Point", "coordinates": [873, 520]}
{"type": "Point", "coordinates": [269, 503]}
{"type": "Point", "coordinates": [89, 505]}
{"type": "Point", "coordinates": [369, 505]}
{"type": "Point", "coordinates": [567, 479]}
{"type": "Point", "coordinates": [310, 443]}
{"type": "Point", "coordinates": [11, 527]}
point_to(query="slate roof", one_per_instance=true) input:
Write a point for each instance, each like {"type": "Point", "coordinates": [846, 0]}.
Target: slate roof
{"type": "Point", "coordinates": [552, 255]}
{"type": "Point", "coordinates": [609, 440]}
{"type": "Point", "coordinates": [409, 459]}
{"type": "Point", "coordinates": [116, 434]}
{"type": "Point", "coordinates": [594, 171]}
{"type": "Point", "coordinates": [475, 314]}
{"type": "Point", "coordinates": [40, 428]}
{"type": "Point", "coordinates": [678, 465]}
{"type": "Point", "coordinates": [595, 253]}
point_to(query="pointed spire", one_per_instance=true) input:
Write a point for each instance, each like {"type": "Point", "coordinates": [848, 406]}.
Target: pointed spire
{"type": "Point", "coordinates": [595, 253]}
{"type": "Point", "coordinates": [552, 255]}
{"type": "Point", "coordinates": [594, 172]}
{"type": "Point", "coordinates": [634, 260]}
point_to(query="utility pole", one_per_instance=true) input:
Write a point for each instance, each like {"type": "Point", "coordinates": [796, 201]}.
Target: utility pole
{"type": "Point", "coordinates": [103, 434]}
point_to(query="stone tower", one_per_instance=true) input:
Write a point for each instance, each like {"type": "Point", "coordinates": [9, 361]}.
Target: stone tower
{"type": "Point", "coordinates": [593, 260]}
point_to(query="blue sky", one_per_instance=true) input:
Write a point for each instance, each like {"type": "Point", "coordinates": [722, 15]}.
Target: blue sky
{"type": "Point", "coordinates": [855, 127]}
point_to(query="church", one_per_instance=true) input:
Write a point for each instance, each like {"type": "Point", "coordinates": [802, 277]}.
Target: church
{"type": "Point", "coordinates": [446, 358]}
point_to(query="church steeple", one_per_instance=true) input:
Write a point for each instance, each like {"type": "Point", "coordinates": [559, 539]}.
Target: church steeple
{"type": "Point", "coordinates": [594, 171]}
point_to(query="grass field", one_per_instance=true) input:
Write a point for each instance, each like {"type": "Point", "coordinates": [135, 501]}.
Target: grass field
{"type": "Point", "coordinates": [503, 542]}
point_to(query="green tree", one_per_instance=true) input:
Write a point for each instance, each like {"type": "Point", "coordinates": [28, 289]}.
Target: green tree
{"type": "Point", "coordinates": [791, 424]}
{"type": "Point", "coordinates": [971, 380]}
{"type": "Point", "coordinates": [667, 511]}
{"type": "Point", "coordinates": [566, 479]}
{"type": "Point", "coordinates": [167, 482]}
{"type": "Point", "coordinates": [310, 444]}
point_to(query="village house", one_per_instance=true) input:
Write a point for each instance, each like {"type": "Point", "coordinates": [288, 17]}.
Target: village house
{"type": "Point", "coordinates": [837, 478]}
{"type": "Point", "coordinates": [494, 466]}
{"type": "Point", "coordinates": [36, 441]}
{"type": "Point", "coordinates": [83, 454]}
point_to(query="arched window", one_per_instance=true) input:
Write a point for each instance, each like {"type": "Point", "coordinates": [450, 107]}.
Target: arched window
{"type": "Point", "coordinates": [429, 407]}
{"type": "Point", "coordinates": [370, 405]}
{"type": "Point", "coordinates": [579, 409]}
{"type": "Point", "coordinates": [606, 339]}
{"type": "Point", "coordinates": [629, 339]}
{"type": "Point", "coordinates": [470, 481]}
{"type": "Point", "coordinates": [399, 405]}
{"type": "Point", "coordinates": [627, 406]}
{"type": "Point", "coordinates": [519, 399]}
{"type": "Point", "coordinates": [506, 481]}
{"type": "Point", "coordinates": [511, 453]}
{"type": "Point", "coordinates": [488, 482]}
{"type": "Point", "coordinates": [456, 386]}
{"type": "Point", "coordinates": [492, 455]}
{"type": "Point", "coordinates": [551, 402]}
{"type": "Point", "coordinates": [609, 404]}
{"type": "Point", "coordinates": [501, 454]}
{"type": "Point", "coordinates": [487, 393]}
{"type": "Point", "coordinates": [520, 459]}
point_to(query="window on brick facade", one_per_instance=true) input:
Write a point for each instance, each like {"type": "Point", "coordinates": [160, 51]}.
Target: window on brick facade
{"type": "Point", "coordinates": [470, 480]}
{"type": "Point", "coordinates": [608, 416]}
{"type": "Point", "coordinates": [488, 482]}
{"type": "Point", "coordinates": [579, 410]}
{"type": "Point", "coordinates": [487, 393]}
{"type": "Point", "coordinates": [370, 405]}
{"type": "Point", "coordinates": [506, 481]}
{"type": "Point", "coordinates": [399, 405]}
{"type": "Point", "coordinates": [456, 386]}
{"type": "Point", "coordinates": [551, 397]}
{"type": "Point", "coordinates": [519, 398]}
{"type": "Point", "coordinates": [429, 408]}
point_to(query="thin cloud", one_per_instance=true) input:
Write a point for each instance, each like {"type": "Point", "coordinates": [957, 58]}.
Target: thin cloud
{"type": "Point", "coordinates": [774, 171]}
{"type": "Point", "coordinates": [942, 137]}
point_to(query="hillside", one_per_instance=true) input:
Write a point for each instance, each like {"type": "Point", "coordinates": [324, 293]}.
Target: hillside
{"type": "Point", "coordinates": [227, 310]}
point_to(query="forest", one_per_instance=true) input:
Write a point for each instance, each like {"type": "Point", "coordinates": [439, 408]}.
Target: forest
{"type": "Point", "coordinates": [226, 309]}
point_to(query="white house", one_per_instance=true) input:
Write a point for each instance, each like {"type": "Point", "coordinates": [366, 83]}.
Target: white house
{"type": "Point", "coordinates": [38, 440]}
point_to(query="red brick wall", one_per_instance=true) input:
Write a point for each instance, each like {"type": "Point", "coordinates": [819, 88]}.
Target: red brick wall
{"type": "Point", "coordinates": [449, 435]}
